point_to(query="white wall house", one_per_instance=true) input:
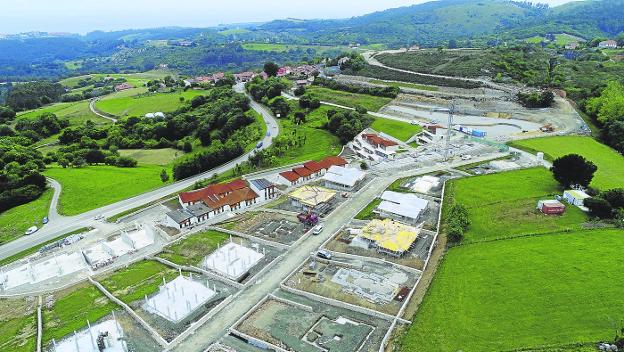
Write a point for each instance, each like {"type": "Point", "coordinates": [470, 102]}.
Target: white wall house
{"type": "Point", "coordinates": [373, 147]}
{"type": "Point", "coordinates": [343, 178]}
{"type": "Point", "coordinates": [404, 207]}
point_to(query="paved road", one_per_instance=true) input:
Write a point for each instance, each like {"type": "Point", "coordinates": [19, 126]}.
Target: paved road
{"type": "Point", "coordinates": [98, 113]}
{"type": "Point", "coordinates": [218, 326]}
{"type": "Point", "coordinates": [64, 225]}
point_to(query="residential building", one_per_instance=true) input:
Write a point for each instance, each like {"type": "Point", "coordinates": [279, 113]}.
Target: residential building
{"type": "Point", "coordinates": [244, 76]}
{"type": "Point", "coordinates": [289, 178]}
{"type": "Point", "coordinates": [404, 207]}
{"type": "Point", "coordinates": [575, 197]}
{"type": "Point", "coordinates": [309, 171]}
{"type": "Point", "coordinates": [309, 197]}
{"type": "Point", "coordinates": [284, 71]}
{"type": "Point", "coordinates": [123, 86]}
{"type": "Point", "coordinates": [343, 178]}
{"type": "Point", "coordinates": [572, 46]}
{"type": "Point", "coordinates": [192, 197]}
{"type": "Point", "coordinates": [390, 237]}
{"type": "Point", "coordinates": [264, 188]}
{"type": "Point", "coordinates": [372, 147]}
{"type": "Point", "coordinates": [608, 44]}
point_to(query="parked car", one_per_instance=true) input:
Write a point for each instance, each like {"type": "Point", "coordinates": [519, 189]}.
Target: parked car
{"type": "Point", "coordinates": [414, 122]}
{"type": "Point", "coordinates": [268, 134]}
{"type": "Point", "coordinates": [259, 145]}
{"type": "Point", "coordinates": [321, 253]}
{"type": "Point", "coordinates": [318, 229]}
{"type": "Point", "coordinates": [31, 230]}
{"type": "Point", "coordinates": [45, 220]}
{"type": "Point", "coordinates": [466, 157]}
{"type": "Point", "coordinates": [98, 217]}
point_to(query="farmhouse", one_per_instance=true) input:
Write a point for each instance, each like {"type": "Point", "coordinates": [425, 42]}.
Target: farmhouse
{"type": "Point", "coordinates": [373, 147]}
{"type": "Point", "coordinates": [308, 197]}
{"type": "Point", "coordinates": [123, 86]}
{"type": "Point", "coordinates": [343, 178]}
{"type": "Point", "coordinates": [608, 44]}
{"type": "Point", "coordinates": [401, 206]}
{"type": "Point", "coordinates": [551, 206]}
{"type": "Point", "coordinates": [389, 236]}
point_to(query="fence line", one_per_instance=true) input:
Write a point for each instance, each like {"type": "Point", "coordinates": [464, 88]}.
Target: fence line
{"type": "Point", "coordinates": [249, 237]}
{"type": "Point", "coordinates": [197, 270]}
{"type": "Point", "coordinates": [39, 325]}
{"type": "Point", "coordinates": [258, 341]}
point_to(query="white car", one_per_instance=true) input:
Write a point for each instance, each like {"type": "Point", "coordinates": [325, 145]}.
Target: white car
{"type": "Point", "coordinates": [466, 157]}
{"type": "Point", "coordinates": [318, 229]}
{"type": "Point", "coordinates": [31, 230]}
{"type": "Point", "coordinates": [321, 253]}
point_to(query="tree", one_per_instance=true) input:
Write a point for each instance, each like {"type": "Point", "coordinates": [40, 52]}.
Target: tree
{"type": "Point", "coordinates": [299, 91]}
{"type": "Point", "coordinates": [615, 197]}
{"type": "Point", "coordinates": [164, 176]}
{"type": "Point", "coordinates": [280, 107]}
{"type": "Point", "coordinates": [573, 169]}
{"type": "Point", "coordinates": [271, 68]}
{"type": "Point", "coordinates": [6, 114]}
{"type": "Point", "coordinates": [599, 207]}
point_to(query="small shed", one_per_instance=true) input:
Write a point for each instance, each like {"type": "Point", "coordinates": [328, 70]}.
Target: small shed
{"type": "Point", "coordinates": [575, 197]}
{"type": "Point", "coordinates": [551, 207]}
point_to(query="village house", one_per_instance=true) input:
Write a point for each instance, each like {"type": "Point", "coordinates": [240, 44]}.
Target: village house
{"type": "Point", "coordinates": [608, 44]}
{"type": "Point", "coordinates": [244, 77]}
{"type": "Point", "coordinates": [309, 171]}
{"type": "Point", "coordinates": [123, 86]}
{"type": "Point", "coordinates": [373, 147]}
{"type": "Point", "coordinates": [264, 188]}
{"type": "Point", "coordinates": [343, 178]}
{"type": "Point", "coordinates": [572, 46]}
{"type": "Point", "coordinates": [284, 71]}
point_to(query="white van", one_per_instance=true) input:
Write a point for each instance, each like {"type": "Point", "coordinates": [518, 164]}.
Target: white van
{"type": "Point", "coordinates": [31, 230]}
{"type": "Point", "coordinates": [318, 229]}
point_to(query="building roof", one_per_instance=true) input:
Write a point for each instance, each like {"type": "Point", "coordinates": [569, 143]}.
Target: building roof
{"type": "Point", "coordinates": [211, 190]}
{"type": "Point", "coordinates": [232, 198]}
{"type": "Point", "coordinates": [577, 194]}
{"type": "Point", "coordinates": [403, 204]}
{"type": "Point", "coordinates": [290, 176]}
{"type": "Point", "coordinates": [376, 140]}
{"type": "Point", "coordinates": [313, 166]}
{"type": "Point", "coordinates": [312, 195]}
{"type": "Point", "coordinates": [608, 42]}
{"type": "Point", "coordinates": [344, 175]}
{"type": "Point", "coordinates": [302, 171]}
{"type": "Point", "coordinates": [552, 203]}
{"type": "Point", "coordinates": [390, 235]}
{"type": "Point", "coordinates": [332, 161]}
{"type": "Point", "coordinates": [262, 183]}
{"type": "Point", "coordinates": [179, 216]}
{"type": "Point", "coordinates": [198, 209]}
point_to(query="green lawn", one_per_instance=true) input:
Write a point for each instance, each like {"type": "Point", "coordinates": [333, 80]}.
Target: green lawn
{"type": "Point", "coordinates": [191, 250]}
{"type": "Point", "coordinates": [370, 102]}
{"type": "Point", "coordinates": [153, 156]}
{"type": "Point", "coordinates": [15, 221]}
{"type": "Point", "coordinates": [18, 327]}
{"type": "Point", "coordinates": [504, 204]}
{"type": "Point", "coordinates": [367, 212]}
{"type": "Point", "coordinates": [521, 293]}
{"type": "Point", "coordinates": [71, 310]}
{"type": "Point", "coordinates": [137, 280]}
{"type": "Point", "coordinates": [76, 112]}
{"type": "Point", "coordinates": [91, 187]}
{"type": "Point", "coordinates": [610, 163]}
{"type": "Point", "coordinates": [143, 104]}
{"type": "Point", "coordinates": [397, 129]}
{"type": "Point", "coordinates": [404, 85]}
{"type": "Point", "coordinates": [136, 79]}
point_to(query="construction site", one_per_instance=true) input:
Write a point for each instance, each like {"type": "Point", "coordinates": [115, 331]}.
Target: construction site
{"type": "Point", "coordinates": [272, 226]}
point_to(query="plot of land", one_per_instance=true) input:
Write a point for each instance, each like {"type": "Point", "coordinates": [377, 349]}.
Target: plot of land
{"type": "Point", "coordinates": [71, 310]}
{"type": "Point", "coordinates": [191, 250]}
{"type": "Point", "coordinates": [143, 104]}
{"type": "Point", "coordinates": [397, 129]}
{"type": "Point", "coordinates": [533, 291]}
{"type": "Point", "coordinates": [75, 112]}
{"type": "Point", "coordinates": [370, 102]}
{"type": "Point", "coordinates": [504, 204]}
{"type": "Point", "coordinates": [15, 221]}
{"type": "Point", "coordinates": [404, 85]}
{"type": "Point", "coordinates": [18, 325]}
{"type": "Point", "coordinates": [610, 164]}
{"type": "Point", "coordinates": [91, 187]}
{"type": "Point", "coordinates": [137, 280]}
{"type": "Point", "coordinates": [153, 156]}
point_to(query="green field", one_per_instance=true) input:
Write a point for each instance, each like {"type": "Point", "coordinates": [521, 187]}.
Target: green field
{"type": "Point", "coordinates": [234, 31]}
{"type": "Point", "coordinates": [191, 250]}
{"type": "Point", "coordinates": [91, 187]}
{"type": "Point", "coordinates": [139, 279]}
{"type": "Point", "coordinates": [143, 104]}
{"type": "Point", "coordinates": [71, 310]}
{"type": "Point", "coordinates": [370, 102]}
{"type": "Point", "coordinates": [367, 212]}
{"type": "Point", "coordinates": [76, 112]}
{"type": "Point", "coordinates": [15, 221]}
{"type": "Point", "coordinates": [523, 293]}
{"type": "Point", "coordinates": [404, 85]}
{"type": "Point", "coordinates": [535, 39]}
{"type": "Point", "coordinates": [136, 79]}
{"type": "Point", "coordinates": [18, 326]}
{"type": "Point", "coordinates": [161, 157]}
{"type": "Point", "coordinates": [280, 48]}
{"type": "Point", "coordinates": [397, 129]}
{"type": "Point", "coordinates": [503, 205]}
{"type": "Point", "coordinates": [610, 163]}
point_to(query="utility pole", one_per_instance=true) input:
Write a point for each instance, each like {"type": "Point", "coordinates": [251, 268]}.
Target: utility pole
{"type": "Point", "coordinates": [449, 125]}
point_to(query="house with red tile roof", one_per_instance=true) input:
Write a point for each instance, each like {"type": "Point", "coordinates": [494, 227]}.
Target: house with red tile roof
{"type": "Point", "coordinates": [310, 170]}
{"type": "Point", "coordinates": [192, 197]}
{"type": "Point", "coordinates": [123, 86]}
{"type": "Point", "coordinates": [373, 147]}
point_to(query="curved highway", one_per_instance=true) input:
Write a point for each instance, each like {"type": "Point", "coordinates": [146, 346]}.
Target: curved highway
{"type": "Point", "coordinates": [61, 225]}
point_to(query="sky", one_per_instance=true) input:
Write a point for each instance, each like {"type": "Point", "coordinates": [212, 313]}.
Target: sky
{"type": "Point", "coordinates": [82, 16]}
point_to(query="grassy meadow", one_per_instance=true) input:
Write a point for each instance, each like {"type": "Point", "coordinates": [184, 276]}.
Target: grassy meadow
{"type": "Point", "coordinates": [610, 163]}
{"type": "Point", "coordinates": [15, 221]}
{"type": "Point", "coordinates": [370, 102]}
{"type": "Point", "coordinates": [404, 85]}
{"type": "Point", "coordinates": [191, 250]}
{"type": "Point", "coordinates": [503, 205]}
{"type": "Point", "coordinates": [142, 104]}
{"type": "Point", "coordinates": [397, 129]}
{"type": "Point", "coordinates": [160, 157]}
{"type": "Point", "coordinates": [91, 187]}
{"type": "Point", "coordinates": [522, 293]}
{"type": "Point", "coordinates": [76, 112]}
{"type": "Point", "coordinates": [18, 325]}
